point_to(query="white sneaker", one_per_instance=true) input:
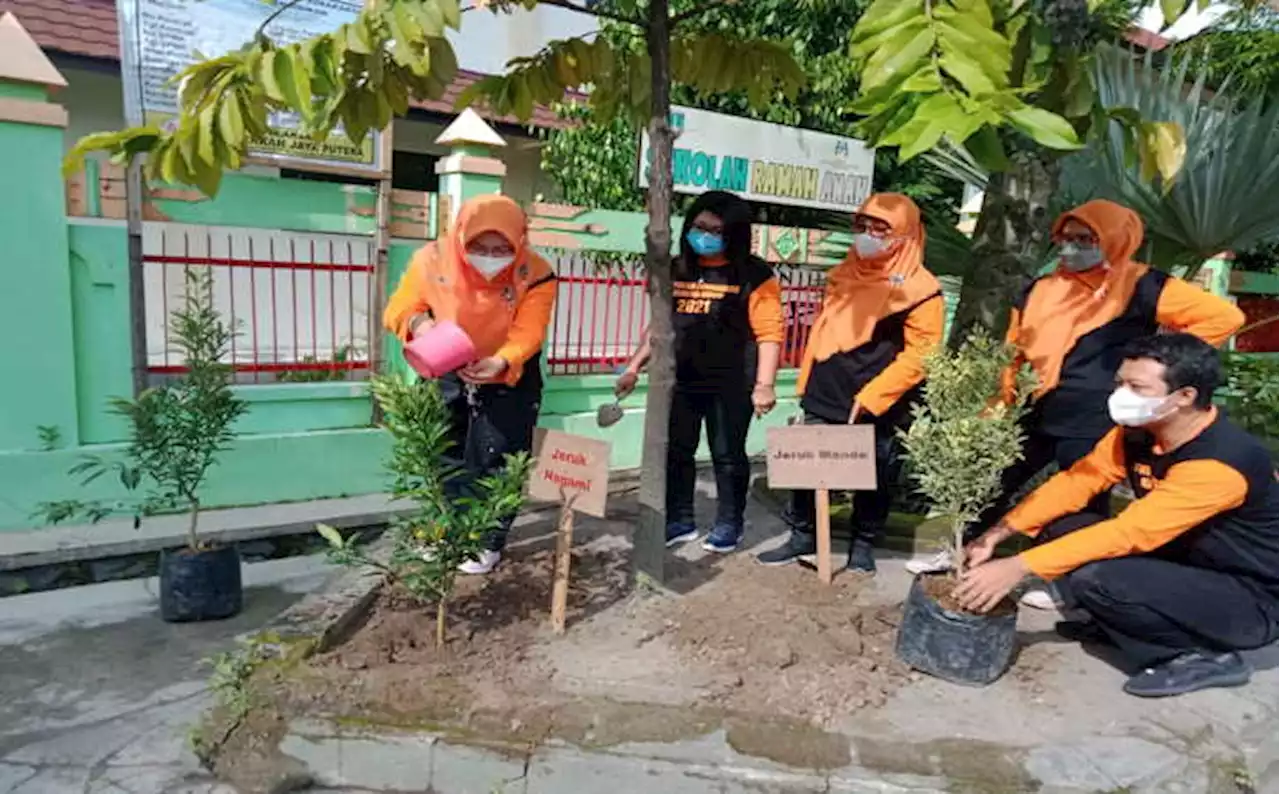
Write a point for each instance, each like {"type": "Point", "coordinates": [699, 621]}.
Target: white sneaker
{"type": "Point", "coordinates": [936, 564]}
{"type": "Point", "coordinates": [1038, 598]}
{"type": "Point", "coordinates": [487, 561]}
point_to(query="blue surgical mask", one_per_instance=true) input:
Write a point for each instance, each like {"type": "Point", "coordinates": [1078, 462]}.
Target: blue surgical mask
{"type": "Point", "coordinates": [705, 243]}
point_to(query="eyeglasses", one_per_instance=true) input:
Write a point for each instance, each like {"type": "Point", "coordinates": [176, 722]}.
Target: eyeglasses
{"type": "Point", "coordinates": [865, 224]}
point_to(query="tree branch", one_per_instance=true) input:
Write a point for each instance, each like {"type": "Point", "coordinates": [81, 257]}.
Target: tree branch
{"type": "Point", "coordinates": [565, 4]}
{"type": "Point", "coordinates": [262, 29]}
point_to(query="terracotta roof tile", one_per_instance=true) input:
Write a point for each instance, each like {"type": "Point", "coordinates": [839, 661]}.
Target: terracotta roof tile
{"type": "Point", "coordinates": [1147, 40]}
{"type": "Point", "coordinates": [89, 28]}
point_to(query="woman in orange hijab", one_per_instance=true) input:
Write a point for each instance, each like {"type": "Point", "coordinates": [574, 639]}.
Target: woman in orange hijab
{"type": "Point", "coordinates": [882, 313]}
{"type": "Point", "coordinates": [483, 276]}
{"type": "Point", "coordinates": [1071, 327]}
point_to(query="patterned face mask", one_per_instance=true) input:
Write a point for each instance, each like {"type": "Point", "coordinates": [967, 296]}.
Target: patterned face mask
{"type": "Point", "coordinates": [705, 243]}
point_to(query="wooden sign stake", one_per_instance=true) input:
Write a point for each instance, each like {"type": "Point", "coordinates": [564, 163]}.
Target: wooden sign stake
{"type": "Point", "coordinates": [560, 582]}
{"type": "Point", "coordinates": [823, 498]}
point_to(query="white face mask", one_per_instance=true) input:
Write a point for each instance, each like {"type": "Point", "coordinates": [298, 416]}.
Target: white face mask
{"type": "Point", "coordinates": [868, 246]}
{"type": "Point", "coordinates": [1130, 409]}
{"type": "Point", "coordinates": [490, 266]}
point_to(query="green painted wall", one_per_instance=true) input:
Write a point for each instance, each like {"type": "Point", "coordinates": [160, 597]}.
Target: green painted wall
{"type": "Point", "coordinates": [257, 470]}
{"type": "Point", "coordinates": [99, 264]}
{"type": "Point", "coordinates": [35, 305]}
{"type": "Point", "coordinates": [267, 202]}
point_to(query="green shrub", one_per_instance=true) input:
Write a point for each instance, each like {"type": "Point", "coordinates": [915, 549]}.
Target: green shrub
{"type": "Point", "coordinates": [962, 436]}
{"type": "Point", "coordinates": [176, 431]}
{"type": "Point", "coordinates": [1249, 393]}
{"type": "Point", "coordinates": [428, 546]}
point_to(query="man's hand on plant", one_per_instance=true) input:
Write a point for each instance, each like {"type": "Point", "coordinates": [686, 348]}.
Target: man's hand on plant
{"type": "Point", "coordinates": [625, 384]}
{"type": "Point", "coordinates": [984, 548]}
{"type": "Point", "coordinates": [763, 398]}
{"type": "Point", "coordinates": [983, 587]}
{"type": "Point", "coordinates": [484, 370]}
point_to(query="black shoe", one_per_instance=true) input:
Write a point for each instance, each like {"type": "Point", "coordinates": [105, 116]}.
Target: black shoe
{"type": "Point", "coordinates": [1189, 672]}
{"type": "Point", "coordinates": [862, 557]}
{"type": "Point", "coordinates": [797, 546]}
{"type": "Point", "coordinates": [1086, 632]}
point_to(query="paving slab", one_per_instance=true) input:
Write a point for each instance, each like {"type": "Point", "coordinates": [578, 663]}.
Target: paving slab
{"type": "Point", "coordinates": [97, 693]}
{"type": "Point", "coordinates": [1057, 723]}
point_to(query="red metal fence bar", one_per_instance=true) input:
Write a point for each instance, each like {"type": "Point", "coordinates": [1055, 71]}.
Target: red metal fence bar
{"type": "Point", "coordinates": [297, 303]}
{"type": "Point", "coordinates": [602, 307]}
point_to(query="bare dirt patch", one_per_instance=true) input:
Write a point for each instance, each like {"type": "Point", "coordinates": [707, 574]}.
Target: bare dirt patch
{"type": "Point", "coordinates": [743, 639]}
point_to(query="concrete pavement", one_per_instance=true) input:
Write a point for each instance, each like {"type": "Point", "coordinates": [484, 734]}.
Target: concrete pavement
{"type": "Point", "coordinates": [96, 693]}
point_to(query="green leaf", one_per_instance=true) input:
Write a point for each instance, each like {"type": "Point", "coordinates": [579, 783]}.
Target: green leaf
{"type": "Point", "coordinates": [901, 55]}
{"type": "Point", "coordinates": [1172, 10]}
{"type": "Point", "coordinates": [883, 15]}
{"type": "Point", "coordinates": [267, 75]}
{"type": "Point", "coordinates": [966, 29]}
{"type": "Point", "coordinates": [1163, 148]}
{"type": "Point", "coordinates": [229, 122]}
{"type": "Point", "coordinates": [1045, 128]}
{"type": "Point", "coordinates": [331, 535]}
{"type": "Point", "coordinates": [522, 102]}
{"type": "Point", "coordinates": [966, 71]}
{"type": "Point", "coordinates": [299, 68]}
{"type": "Point", "coordinates": [451, 11]}
{"type": "Point", "coordinates": [868, 46]}
{"type": "Point", "coordinates": [205, 131]}
{"type": "Point", "coordinates": [986, 148]}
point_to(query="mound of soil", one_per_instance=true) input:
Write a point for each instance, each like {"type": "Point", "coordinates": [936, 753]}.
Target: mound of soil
{"type": "Point", "coordinates": [799, 648]}
{"type": "Point", "coordinates": [743, 639]}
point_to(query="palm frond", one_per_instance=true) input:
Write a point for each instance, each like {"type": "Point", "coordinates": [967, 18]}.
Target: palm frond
{"type": "Point", "coordinates": [1224, 197]}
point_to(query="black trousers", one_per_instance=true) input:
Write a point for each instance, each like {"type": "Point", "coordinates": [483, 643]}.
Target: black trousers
{"type": "Point", "coordinates": [487, 423]}
{"type": "Point", "coordinates": [870, 508]}
{"type": "Point", "coordinates": [727, 413]}
{"type": "Point", "coordinates": [1039, 451]}
{"type": "Point", "coordinates": [1156, 606]}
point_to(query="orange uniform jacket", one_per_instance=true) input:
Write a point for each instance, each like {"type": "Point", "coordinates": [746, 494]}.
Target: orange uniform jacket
{"type": "Point", "coordinates": [1212, 502]}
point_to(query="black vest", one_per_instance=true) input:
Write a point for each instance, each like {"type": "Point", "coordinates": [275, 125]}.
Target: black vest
{"type": "Point", "coordinates": [715, 347]}
{"type": "Point", "coordinates": [1241, 541]}
{"type": "Point", "coordinates": [1077, 406]}
{"type": "Point", "coordinates": [834, 383]}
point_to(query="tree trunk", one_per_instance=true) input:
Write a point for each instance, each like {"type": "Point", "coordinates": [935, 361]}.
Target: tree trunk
{"type": "Point", "coordinates": [440, 622]}
{"type": "Point", "coordinates": [649, 542]}
{"type": "Point", "coordinates": [193, 521]}
{"type": "Point", "coordinates": [1008, 242]}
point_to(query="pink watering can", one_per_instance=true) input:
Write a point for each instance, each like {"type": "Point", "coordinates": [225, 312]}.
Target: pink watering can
{"type": "Point", "coordinates": [440, 350]}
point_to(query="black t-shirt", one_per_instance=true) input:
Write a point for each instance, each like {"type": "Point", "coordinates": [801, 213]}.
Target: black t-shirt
{"type": "Point", "coordinates": [715, 347]}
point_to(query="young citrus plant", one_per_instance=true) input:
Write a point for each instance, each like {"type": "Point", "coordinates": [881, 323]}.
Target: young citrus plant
{"type": "Point", "coordinates": [176, 431]}
{"type": "Point", "coordinates": [963, 435]}
{"type": "Point", "coordinates": [443, 532]}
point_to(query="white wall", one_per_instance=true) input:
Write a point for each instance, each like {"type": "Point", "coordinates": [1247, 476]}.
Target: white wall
{"type": "Point", "coordinates": [487, 40]}
{"type": "Point", "coordinates": [522, 155]}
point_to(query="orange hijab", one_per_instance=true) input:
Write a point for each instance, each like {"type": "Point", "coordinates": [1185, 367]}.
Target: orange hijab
{"type": "Point", "coordinates": [862, 292]}
{"type": "Point", "coordinates": [1064, 306]}
{"type": "Point", "coordinates": [456, 291]}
